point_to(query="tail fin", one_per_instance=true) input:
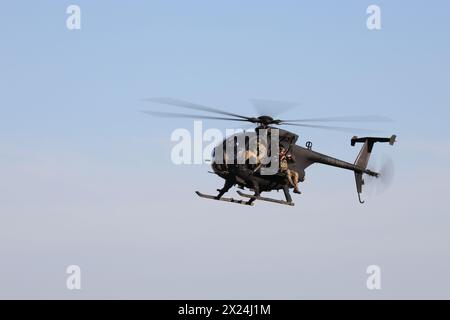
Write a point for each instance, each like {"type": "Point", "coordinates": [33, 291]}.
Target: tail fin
{"type": "Point", "coordinates": [363, 158]}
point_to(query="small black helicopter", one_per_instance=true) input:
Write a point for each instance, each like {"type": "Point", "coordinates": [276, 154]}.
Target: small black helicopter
{"type": "Point", "coordinates": [230, 160]}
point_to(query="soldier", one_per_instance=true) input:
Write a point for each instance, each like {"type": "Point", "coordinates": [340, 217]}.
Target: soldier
{"type": "Point", "coordinates": [292, 175]}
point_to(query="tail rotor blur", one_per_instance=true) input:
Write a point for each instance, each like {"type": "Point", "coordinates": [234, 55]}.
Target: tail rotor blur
{"type": "Point", "coordinates": [385, 167]}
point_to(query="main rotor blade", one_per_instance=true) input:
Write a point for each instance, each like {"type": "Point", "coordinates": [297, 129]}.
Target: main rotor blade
{"type": "Point", "coordinates": [272, 107]}
{"type": "Point", "coordinates": [193, 106]}
{"type": "Point", "coordinates": [371, 118]}
{"type": "Point", "coordinates": [185, 115]}
{"type": "Point", "coordinates": [343, 129]}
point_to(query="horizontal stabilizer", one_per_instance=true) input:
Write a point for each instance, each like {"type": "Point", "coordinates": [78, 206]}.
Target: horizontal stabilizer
{"type": "Point", "coordinates": [391, 140]}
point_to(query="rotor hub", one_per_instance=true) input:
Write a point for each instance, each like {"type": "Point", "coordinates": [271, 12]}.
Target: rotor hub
{"type": "Point", "coordinates": [266, 120]}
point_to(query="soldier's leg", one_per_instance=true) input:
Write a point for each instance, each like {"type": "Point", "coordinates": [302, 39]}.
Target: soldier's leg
{"type": "Point", "coordinates": [295, 180]}
{"type": "Point", "coordinates": [289, 177]}
{"type": "Point", "coordinates": [286, 194]}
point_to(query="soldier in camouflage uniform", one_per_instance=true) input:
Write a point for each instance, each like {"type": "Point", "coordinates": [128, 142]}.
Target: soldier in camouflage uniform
{"type": "Point", "coordinates": [292, 175]}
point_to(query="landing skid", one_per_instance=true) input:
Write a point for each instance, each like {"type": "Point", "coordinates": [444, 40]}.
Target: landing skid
{"type": "Point", "coordinates": [207, 196]}
{"type": "Point", "coordinates": [265, 199]}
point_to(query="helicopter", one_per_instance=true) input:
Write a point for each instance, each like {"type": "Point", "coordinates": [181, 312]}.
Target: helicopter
{"type": "Point", "coordinates": [251, 159]}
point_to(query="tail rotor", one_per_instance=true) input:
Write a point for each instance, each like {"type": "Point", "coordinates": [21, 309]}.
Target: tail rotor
{"type": "Point", "coordinates": [385, 169]}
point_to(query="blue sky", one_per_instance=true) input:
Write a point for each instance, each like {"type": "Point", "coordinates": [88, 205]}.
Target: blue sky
{"type": "Point", "coordinates": [82, 168]}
